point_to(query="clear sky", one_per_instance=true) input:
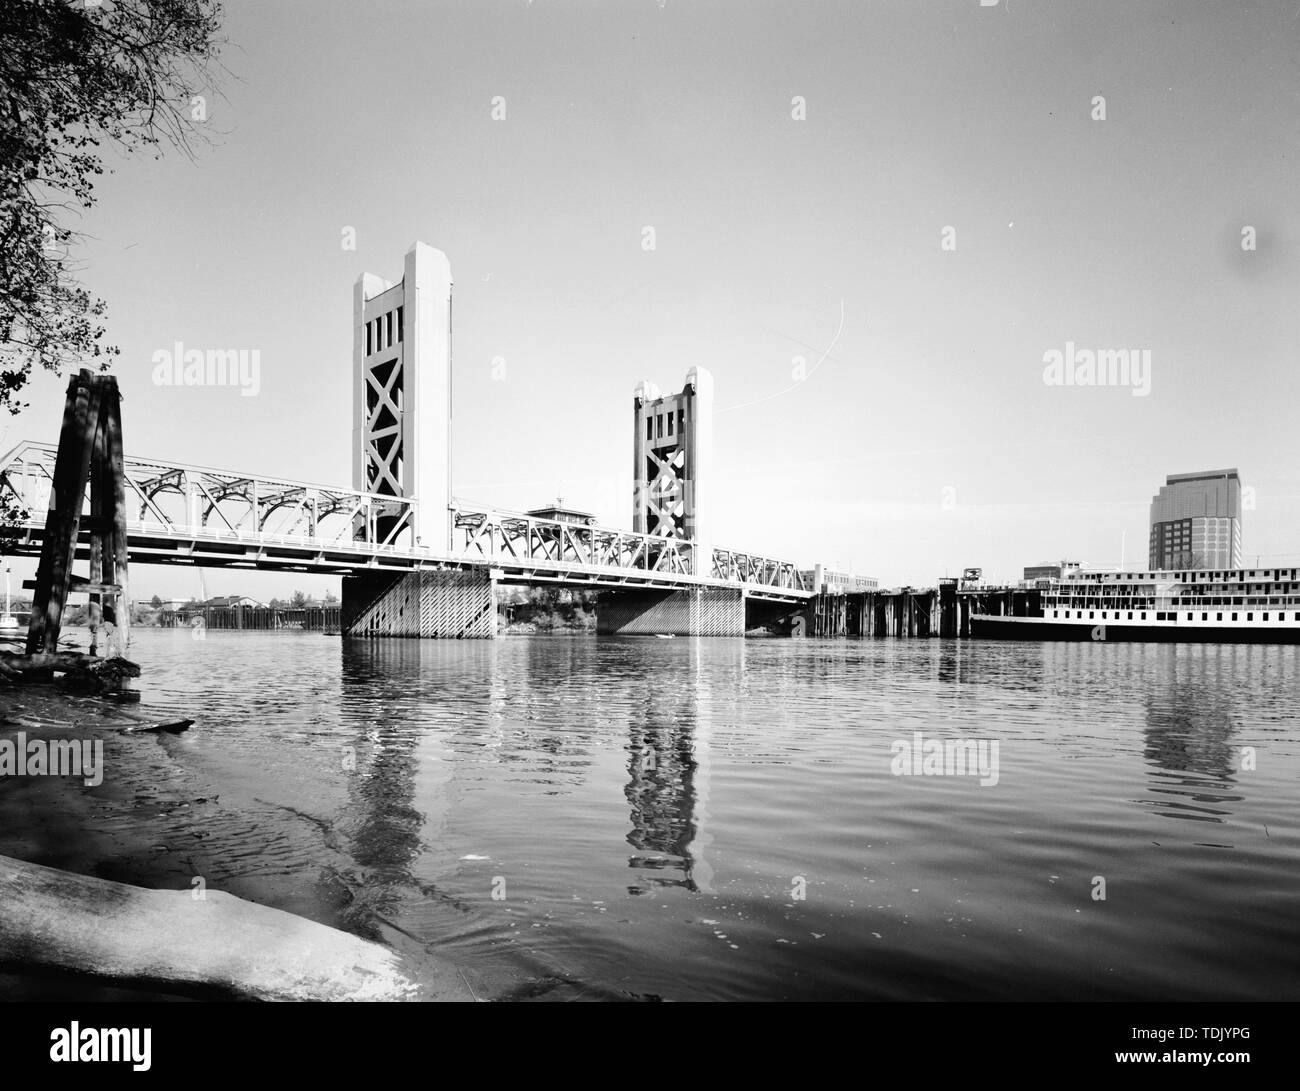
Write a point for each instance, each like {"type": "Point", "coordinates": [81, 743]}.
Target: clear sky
{"type": "Point", "coordinates": [927, 439]}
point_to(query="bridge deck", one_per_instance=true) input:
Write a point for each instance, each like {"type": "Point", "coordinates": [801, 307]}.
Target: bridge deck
{"type": "Point", "coordinates": [200, 516]}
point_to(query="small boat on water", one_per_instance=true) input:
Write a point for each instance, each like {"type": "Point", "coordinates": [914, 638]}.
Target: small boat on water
{"type": "Point", "coordinates": [665, 636]}
{"type": "Point", "coordinates": [1233, 606]}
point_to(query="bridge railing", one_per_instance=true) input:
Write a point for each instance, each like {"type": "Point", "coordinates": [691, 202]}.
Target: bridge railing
{"type": "Point", "coordinates": [173, 500]}
{"type": "Point", "coordinates": [748, 568]}
{"type": "Point", "coordinates": [512, 537]}
{"type": "Point", "coordinates": [180, 500]}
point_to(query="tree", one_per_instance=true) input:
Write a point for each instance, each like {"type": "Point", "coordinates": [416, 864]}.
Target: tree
{"type": "Point", "coordinates": [331, 598]}
{"type": "Point", "coordinates": [75, 75]}
{"type": "Point", "coordinates": [299, 599]}
{"type": "Point", "coordinates": [156, 602]}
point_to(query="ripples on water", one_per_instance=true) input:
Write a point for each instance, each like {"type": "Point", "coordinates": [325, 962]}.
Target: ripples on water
{"type": "Point", "coordinates": [647, 812]}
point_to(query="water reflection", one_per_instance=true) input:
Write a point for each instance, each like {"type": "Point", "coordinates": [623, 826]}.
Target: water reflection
{"type": "Point", "coordinates": [1191, 717]}
{"type": "Point", "coordinates": [528, 759]}
{"type": "Point", "coordinates": [670, 756]}
{"type": "Point", "coordinates": [400, 786]}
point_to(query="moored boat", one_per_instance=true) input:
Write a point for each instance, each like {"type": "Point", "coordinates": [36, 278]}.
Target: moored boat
{"type": "Point", "coordinates": [1233, 606]}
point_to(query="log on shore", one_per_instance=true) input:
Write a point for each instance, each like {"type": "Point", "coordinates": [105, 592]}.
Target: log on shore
{"type": "Point", "coordinates": [86, 673]}
{"type": "Point", "coordinates": [70, 661]}
{"type": "Point", "coordinates": [170, 939]}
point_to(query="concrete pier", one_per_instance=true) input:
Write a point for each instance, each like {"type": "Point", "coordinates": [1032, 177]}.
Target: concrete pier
{"type": "Point", "coordinates": [702, 612]}
{"type": "Point", "coordinates": [449, 604]}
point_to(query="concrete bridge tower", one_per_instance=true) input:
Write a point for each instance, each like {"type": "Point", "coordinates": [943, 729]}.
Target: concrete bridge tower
{"type": "Point", "coordinates": [672, 474]}
{"type": "Point", "coordinates": [401, 392]}
{"type": "Point", "coordinates": [401, 436]}
{"type": "Point", "coordinates": [673, 464]}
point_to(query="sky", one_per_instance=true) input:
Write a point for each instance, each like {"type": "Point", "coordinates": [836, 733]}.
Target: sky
{"type": "Point", "coordinates": [921, 201]}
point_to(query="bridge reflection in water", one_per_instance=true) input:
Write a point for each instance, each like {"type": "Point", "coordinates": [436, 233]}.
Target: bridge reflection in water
{"type": "Point", "coordinates": [417, 744]}
{"type": "Point", "coordinates": [669, 773]}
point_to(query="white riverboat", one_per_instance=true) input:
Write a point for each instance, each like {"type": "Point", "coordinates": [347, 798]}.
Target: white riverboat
{"type": "Point", "coordinates": [1233, 606]}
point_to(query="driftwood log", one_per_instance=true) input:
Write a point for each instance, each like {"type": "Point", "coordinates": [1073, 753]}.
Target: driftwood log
{"type": "Point", "coordinates": [169, 727]}
{"type": "Point", "coordinates": [170, 939]}
{"type": "Point", "coordinates": [86, 673]}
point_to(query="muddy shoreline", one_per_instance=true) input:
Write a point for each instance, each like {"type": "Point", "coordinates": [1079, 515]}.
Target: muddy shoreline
{"type": "Point", "coordinates": [148, 824]}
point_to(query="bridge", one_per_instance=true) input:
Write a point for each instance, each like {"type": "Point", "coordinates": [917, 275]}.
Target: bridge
{"type": "Point", "coordinates": [417, 560]}
{"type": "Point", "coordinates": [195, 515]}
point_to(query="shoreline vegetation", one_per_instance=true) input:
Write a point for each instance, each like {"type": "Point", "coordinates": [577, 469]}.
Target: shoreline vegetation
{"type": "Point", "coordinates": [540, 611]}
{"type": "Point", "coordinates": [521, 611]}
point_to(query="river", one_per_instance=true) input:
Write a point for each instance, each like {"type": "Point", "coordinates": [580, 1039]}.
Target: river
{"type": "Point", "coordinates": [721, 819]}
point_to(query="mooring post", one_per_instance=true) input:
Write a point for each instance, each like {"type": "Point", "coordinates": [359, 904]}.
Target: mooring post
{"type": "Point", "coordinates": [90, 454]}
{"type": "Point", "coordinates": [63, 520]}
{"type": "Point", "coordinates": [98, 561]}
{"type": "Point", "coordinates": [115, 486]}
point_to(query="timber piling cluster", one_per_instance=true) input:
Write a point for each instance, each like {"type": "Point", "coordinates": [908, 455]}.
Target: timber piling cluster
{"type": "Point", "coordinates": [325, 619]}
{"type": "Point", "coordinates": [914, 612]}
{"type": "Point", "coordinates": [89, 467]}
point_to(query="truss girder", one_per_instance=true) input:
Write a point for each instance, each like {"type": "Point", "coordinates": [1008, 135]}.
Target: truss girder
{"type": "Point", "coordinates": [209, 505]}
{"type": "Point", "coordinates": [193, 501]}
{"type": "Point", "coordinates": [508, 538]}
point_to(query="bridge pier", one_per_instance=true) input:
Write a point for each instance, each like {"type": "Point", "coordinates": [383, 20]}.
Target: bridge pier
{"type": "Point", "coordinates": [433, 604]}
{"type": "Point", "coordinates": [705, 611]}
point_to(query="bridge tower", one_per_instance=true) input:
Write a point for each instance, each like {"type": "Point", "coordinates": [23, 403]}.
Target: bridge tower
{"type": "Point", "coordinates": [672, 474]}
{"type": "Point", "coordinates": [673, 464]}
{"type": "Point", "coordinates": [401, 392]}
{"type": "Point", "coordinates": [401, 446]}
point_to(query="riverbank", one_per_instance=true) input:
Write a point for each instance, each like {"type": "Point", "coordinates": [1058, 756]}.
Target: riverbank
{"type": "Point", "coordinates": [155, 822]}
{"type": "Point", "coordinates": [268, 797]}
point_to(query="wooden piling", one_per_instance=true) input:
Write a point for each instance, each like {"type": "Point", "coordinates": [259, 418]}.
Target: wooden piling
{"type": "Point", "coordinates": [89, 455]}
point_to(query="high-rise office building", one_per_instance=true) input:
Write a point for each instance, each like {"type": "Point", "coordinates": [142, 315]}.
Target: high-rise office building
{"type": "Point", "coordinates": [1196, 521]}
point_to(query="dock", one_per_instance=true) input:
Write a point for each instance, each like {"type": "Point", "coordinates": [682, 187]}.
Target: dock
{"type": "Point", "coordinates": [942, 611]}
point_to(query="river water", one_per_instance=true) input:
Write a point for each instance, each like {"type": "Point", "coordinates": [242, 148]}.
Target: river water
{"type": "Point", "coordinates": [598, 817]}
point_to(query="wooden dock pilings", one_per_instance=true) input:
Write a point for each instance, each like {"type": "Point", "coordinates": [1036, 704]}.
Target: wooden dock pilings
{"type": "Point", "coordinates": [309, 618]}
{"type": "Point", "coordinates": [914, 612]}
{"type": "Point", "coordinates": [89, 460]}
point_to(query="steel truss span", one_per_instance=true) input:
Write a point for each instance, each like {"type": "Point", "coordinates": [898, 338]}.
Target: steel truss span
{"type": "Point", "coordinates": [183, 514]}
